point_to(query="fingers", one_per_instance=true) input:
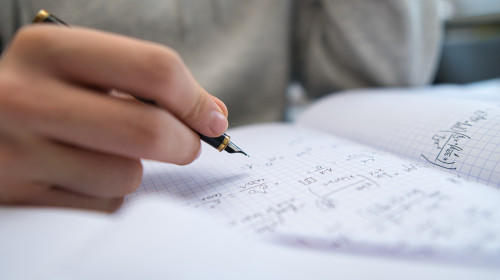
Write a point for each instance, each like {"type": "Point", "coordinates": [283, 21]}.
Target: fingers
{"type": "Point", "coordinates": [87, 172]}
{"type": "Point", "coordinates": [63, 198]}
{"type": "Point", "coordinates": [59, 175]}
{"type": "Point", "coordinates": [144, 69]}
{"type": "Point", "coordinates": [96, 122]}
{"type": "Point", "coordinates": [42, 195]}
{"type": "Point", "coordinates": [65, 142]}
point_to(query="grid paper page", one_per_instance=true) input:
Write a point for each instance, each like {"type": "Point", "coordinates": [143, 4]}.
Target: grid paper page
{"type": "Point", "coordinates": [301, 186]}
{"type": "Point", "coordinates": [453, 135]}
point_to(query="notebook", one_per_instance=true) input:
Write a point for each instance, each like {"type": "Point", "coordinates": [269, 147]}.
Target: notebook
{"type": "Point", "coordinates": [390, 172]}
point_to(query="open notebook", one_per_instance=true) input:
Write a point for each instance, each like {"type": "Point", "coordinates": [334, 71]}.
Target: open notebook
{"type": "Point", "coordinates": [400, 174]}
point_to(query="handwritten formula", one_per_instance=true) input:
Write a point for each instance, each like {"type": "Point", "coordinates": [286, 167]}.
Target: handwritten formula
{"type": "Point", "coordinates": [317, 189]}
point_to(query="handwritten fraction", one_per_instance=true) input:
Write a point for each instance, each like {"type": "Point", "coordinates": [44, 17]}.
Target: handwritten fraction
{"type": "Point", "coordinates": [449, 143]}
{"type": "Point", "coordinates": [316, 189]}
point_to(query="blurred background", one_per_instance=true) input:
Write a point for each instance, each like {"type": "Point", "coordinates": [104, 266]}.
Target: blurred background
{"type": "Point", "coordinates": [471, 50]}
{"type": "Point", "coordinates": [470, 53]}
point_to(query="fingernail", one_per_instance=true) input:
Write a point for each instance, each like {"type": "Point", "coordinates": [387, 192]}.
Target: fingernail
{"type": "Point", "coordinates": [218, 123]}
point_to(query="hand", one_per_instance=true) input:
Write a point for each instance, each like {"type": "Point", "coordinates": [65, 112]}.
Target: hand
{"type": "Point", "coordinates": [64, 141]}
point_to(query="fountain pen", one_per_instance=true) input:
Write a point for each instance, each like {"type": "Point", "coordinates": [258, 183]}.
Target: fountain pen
{"type": "Point", "coordinates": [221, 143]}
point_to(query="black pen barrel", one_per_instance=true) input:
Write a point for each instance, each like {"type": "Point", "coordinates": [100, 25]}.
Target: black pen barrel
{"type": "Point", "coordinates": [220, 143]}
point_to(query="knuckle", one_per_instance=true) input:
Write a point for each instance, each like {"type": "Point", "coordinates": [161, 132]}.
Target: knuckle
{"type": "Point", "coordinates": [133, 170]}
{"type": "Point", "coordinates": [162, 64]}
{"type": "Point", "coordinates": [11, 85]}
{"type": "Point", "coordinates": [9, 157]}
{"type": "Point", "coordinates": [33, 37]}
{"type": "Point", "coordinates": [14, 156]}
{"type": "Point", "coordinates": [9, 89]}
{"type": "Point", "coordinates": [113, 204]}
{"type": "Point", "coordinates": [190, 155]}
{"type": "Point", "coordinates": [16, 102]}
{"type": "Point", "coordinates": [14, 188]}
{"type": "Point", "coordinates": [160, 138]}
{"type": "Point", "coordinates": [148, 132]}
{"type": "Point", "coordinates": [196, 111]}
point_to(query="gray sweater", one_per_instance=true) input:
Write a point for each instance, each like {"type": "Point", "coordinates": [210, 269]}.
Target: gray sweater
{"type": "Point", "coordinates": [247, 51]}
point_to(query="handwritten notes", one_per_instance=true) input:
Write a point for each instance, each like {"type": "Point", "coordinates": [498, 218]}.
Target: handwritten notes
{"type": "Point", "coordinates": [306, 187]}
{"type": "Point", "coordinates": [460, 137]}
{"type": "Point", "coordinates": [470, 146]}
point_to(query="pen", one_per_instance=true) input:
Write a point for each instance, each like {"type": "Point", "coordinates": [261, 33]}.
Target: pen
{"type": "Point", "coordinates": [221, 143]}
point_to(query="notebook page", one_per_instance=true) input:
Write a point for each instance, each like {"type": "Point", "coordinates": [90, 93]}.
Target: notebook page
{"type": "Point", "coordinates": [301, 186]}
{"type": "Point", "coordinates": [453, 135]}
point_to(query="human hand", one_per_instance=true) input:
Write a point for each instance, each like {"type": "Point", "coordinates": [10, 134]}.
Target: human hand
{"type": "Point", "coordinates": [65, 142]}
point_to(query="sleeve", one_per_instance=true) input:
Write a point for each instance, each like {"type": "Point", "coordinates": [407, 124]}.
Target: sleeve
{"type": "Point", "coordinates": [7, 22]}
{"type": "Point", "coordinates": [13, 15]}
{"type": "Point", "coordinates": [345, 44]}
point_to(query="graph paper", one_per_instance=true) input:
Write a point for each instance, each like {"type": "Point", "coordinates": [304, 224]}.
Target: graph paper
{"type": "Point", "coordinates": [457, 136]}
{"type": "Point", "coordinates": [305, 187]}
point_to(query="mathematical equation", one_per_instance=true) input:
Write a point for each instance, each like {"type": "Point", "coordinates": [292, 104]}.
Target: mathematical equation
{"type": "Point", "coordinates": [314, 189]}
{"type": "Point", "coordinates": [448, 144]}
{"type": "Point", "coordinates": [326, 185]}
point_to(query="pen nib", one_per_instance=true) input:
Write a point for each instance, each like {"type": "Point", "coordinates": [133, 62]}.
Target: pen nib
{"type": "Point", "coordinates": [232, 148]}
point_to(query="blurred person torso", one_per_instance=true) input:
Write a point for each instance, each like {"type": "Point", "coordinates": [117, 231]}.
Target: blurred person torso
{"type": "Point", "coordinates": [246, 52]}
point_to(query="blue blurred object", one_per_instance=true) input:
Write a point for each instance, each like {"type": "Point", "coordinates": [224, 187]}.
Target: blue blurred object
{"type": "Point", "coordinates": [471, 48]}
